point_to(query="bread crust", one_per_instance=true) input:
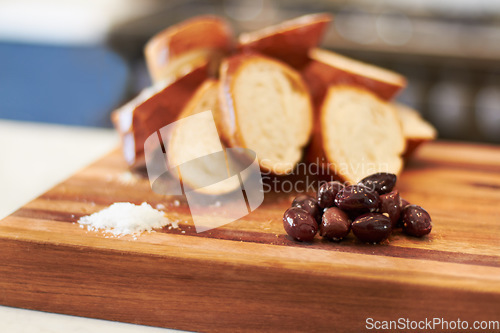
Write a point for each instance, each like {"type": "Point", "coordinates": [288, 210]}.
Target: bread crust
{"type": "Point", "coordinates": [197, 95]}
{"type": "Point", "coordinates": [230, 128]}
{"type": "Point", "coordinates": [288, 41]}
{"type": "Point", "coordinates": [201, 39]}
{"type": "Point", "coordinates": [149, 115]}
{"type": "Point", "coordinates": [319, 75]}
{"type": "Point", "coordinates": [414, 140]}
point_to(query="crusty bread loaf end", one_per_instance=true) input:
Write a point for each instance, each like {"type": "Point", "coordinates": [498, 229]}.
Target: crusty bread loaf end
{"type": "Point", "coordinates": [175, 51]}
{"type": "Point", "coordinates": [288, 41]}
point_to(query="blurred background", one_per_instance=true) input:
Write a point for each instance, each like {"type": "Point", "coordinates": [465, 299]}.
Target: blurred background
{"type": "Point", "coordinates": [73, 62]}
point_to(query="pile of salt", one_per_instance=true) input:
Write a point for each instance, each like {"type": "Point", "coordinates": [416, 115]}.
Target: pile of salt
{"type": "Point", "coordinates": [125, 218]}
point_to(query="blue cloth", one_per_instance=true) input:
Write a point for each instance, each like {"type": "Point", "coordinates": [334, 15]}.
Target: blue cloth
{"type": "Point", "coordinates": [77, 85]}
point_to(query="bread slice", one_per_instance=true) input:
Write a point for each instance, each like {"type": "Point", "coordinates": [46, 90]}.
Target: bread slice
{"type": "Point", "coordinates": [288, 41]}
{"type": "Point", "coordinates": [196, 139]}
{"type": "Point", "coordinates": [154, 108]}
{"type": "Point", "coordinates": [327, 68]}
{"type": "Point", "coordinates": [194, 145]}
{"type": "Point", "coordinates": [415, 129]}
{"type": "Point", "coordinates": [360, 133]}
{"type": "Point", "coordinates": [178, 49]}
{"type": "Point", "coordinates": [265, 107]}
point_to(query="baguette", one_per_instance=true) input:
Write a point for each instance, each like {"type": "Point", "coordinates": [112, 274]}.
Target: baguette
{"type": "Point", "coordinates": [265, 106]}
{"type": "Point", "coordinates": [415, 129]}
{"type": "Point", "coordinates": [154, 108]}
{"type": "Point", "coordinates": [199, 41]}
{"type": "Point", "coordinates": [195, 139]}
{"type": "Point", "coordinates": [359, 134]}
{"type": "Point", "coordinates": [328, 68]}
{"type": "Point", "coordinates": [288, 41]}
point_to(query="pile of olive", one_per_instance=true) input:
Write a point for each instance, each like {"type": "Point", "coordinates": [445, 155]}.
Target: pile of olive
{"type": "Point", "coordinates": [371, 209]}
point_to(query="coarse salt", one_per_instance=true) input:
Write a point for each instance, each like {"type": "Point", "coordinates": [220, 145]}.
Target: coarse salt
{"type": "Point", "coordinates": [125, 218]}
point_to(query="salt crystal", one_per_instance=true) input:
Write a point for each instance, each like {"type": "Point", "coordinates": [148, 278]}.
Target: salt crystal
{"type": "Point", "coordinates": [124, 218]}
{"type": "Point", "coordinates": [177, 203]}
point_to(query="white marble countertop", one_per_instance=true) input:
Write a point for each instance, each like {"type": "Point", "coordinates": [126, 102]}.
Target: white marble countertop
{"type": "Point", "coordinates": [33, 158]}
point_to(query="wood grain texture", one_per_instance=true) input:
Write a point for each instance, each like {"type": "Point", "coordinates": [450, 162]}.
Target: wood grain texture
{"type": "Point", "coordinates": [248, 275]}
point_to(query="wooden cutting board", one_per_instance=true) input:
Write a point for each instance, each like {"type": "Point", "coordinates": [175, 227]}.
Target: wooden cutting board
{"type": "Point", "coordinates": [248, 275]}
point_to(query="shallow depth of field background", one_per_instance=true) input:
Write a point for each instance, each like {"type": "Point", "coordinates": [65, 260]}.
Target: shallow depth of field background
{"type": "Point", "coordinates": [73, 62]}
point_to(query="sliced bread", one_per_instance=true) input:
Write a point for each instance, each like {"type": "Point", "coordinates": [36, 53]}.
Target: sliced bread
{"type": "Point", "coordinates": [415, 129]}
{"type": "Point", "coordinates": [154, 108]}
{"type": "Point", "coordinates": [288, 41]}
{"type": "Point", "coordinates": [328, 68]}
{"type": "Point", "coordinates": [360, 134]}
{"type": "Point", "coordinates": [178, 49]}
{"type": "Point", "coordinates": [265, 106]}
{"type": "Point", "coordinates": [196, 139]}
{"type": "Point", "coordinates": [194, 145]}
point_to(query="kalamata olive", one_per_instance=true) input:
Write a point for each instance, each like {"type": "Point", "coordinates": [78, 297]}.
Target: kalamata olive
{"type": "Point", "coordinates": [327, 193]}
{"type": "Point", "coordinates": [416, 221]}
{"type": "Point", "coordinates": [310, 205]}
{"type": "Point", "coordinates": [404, 203]}
{"type": "Point", "coordinates": [335, 224]}
{"type": "Point", "coordinates": [357, 200]}
{"type": "Point", "coordinates": [390, 203]}
{"type": "Point", "coordinates": [371, 227]}
{"type": "Point", "coordinates": [381, 182]}
{"type": "Point", "coordinates": [299, 224]}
